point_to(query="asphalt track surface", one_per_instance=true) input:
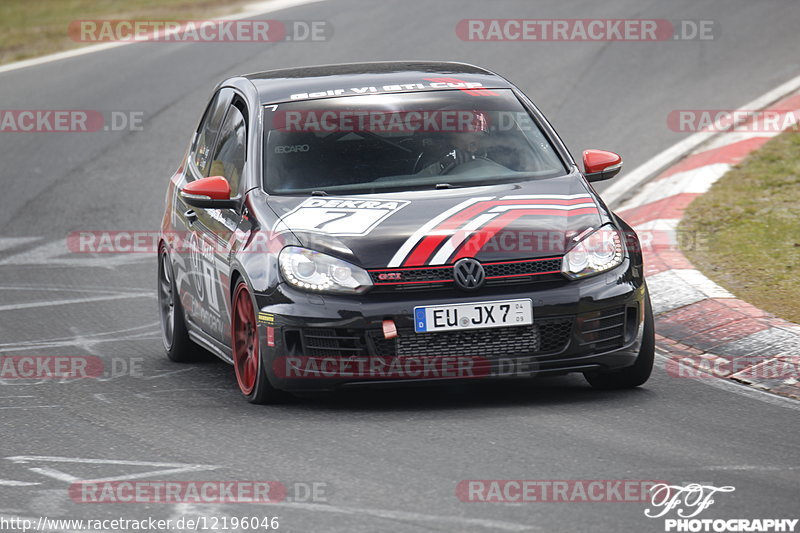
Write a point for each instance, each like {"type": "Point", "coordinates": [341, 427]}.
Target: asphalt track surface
{"type": "Point", "coordinates": [390, 459]}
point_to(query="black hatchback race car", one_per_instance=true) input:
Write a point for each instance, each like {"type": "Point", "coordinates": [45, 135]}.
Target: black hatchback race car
{"type": "Point", "coordinates": [396, 222]}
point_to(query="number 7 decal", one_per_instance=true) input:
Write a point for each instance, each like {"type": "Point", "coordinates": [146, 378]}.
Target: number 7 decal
{"type": "Point", "coordinates": [335, 215]}
{"type": "Point", "coordinates": [338, 216]}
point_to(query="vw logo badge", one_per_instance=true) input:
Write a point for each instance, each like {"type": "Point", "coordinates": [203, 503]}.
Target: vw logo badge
{"type": "Point", "coordinates": [469, 274]}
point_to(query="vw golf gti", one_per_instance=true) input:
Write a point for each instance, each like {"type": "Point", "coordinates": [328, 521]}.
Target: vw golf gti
{"type": "Point", "coordinates": [394, 223]}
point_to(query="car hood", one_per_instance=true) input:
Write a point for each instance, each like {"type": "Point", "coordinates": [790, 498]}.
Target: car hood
{"type": "Point", "coordinates": [512, 221]}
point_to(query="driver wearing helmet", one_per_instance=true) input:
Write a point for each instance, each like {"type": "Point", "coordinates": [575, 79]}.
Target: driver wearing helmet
{"type": "Point", "coordinates": [463, 146]}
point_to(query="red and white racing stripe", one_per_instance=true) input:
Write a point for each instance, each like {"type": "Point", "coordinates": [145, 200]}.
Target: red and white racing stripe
{"type": "Point", "coordinates": [473, 222]}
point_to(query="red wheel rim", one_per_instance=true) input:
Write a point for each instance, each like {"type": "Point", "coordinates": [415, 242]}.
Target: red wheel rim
{"type": "Point", "coordinates": [245, 340]}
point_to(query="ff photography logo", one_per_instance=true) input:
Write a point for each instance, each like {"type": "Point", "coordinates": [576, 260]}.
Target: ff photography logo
{"type": "Point", "coordinates": [691, 500]}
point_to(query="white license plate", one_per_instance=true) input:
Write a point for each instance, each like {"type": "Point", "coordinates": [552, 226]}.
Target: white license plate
{"type": "Point", "coordinates": [497, 314]}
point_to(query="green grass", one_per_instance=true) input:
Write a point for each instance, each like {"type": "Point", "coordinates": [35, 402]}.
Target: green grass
{"type": "Point", "coordinates": [750, 227]}
{"type": "Point", "coordinates": [30, 28]}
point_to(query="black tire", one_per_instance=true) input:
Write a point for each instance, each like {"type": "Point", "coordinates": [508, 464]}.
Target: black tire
{"type": "Point", "coordinates": [177, 344]}
{"type": "Point", "coordinates": [638, 373]}
{"type": "Point", "coordinates": [248, 363]}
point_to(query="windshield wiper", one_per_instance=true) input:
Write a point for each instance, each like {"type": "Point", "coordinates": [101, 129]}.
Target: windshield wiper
{"type": "Point", "coordinates": [319, 193]}
{"type": "Point", "coordinates": [445, 186]}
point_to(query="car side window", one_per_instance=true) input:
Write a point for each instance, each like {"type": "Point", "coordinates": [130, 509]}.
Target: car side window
{"type": "Point", "coordinates": [209, 127]}
{"type": "Point", "coordinates": [230, 154]}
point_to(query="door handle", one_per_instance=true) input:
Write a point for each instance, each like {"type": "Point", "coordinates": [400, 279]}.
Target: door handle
{"type": "Point", "coordinates": [190, 216]}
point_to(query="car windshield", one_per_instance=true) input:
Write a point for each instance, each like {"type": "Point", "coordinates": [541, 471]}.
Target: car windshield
{"type": "Point", "coordinates": [404, 141]}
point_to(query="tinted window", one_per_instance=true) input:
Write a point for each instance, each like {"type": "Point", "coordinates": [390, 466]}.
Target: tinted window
{"type": "Point", "coordinates": [372, 143]}
{"type": "Point", "coordinates": [229, 157]}
{"type": "Point", "coordinates": [209, 127]}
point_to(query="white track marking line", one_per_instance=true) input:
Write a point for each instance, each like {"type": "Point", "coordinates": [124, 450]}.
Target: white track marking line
{"type": "Point", "coordinates": [21, 459]}
{"type": "Point", "coordinates": [630, 181]}
{"type": "Point", "coordinates": [250, 10]}
{"type": "Point", "coordinates": [54, 474]}
{"type": "Point", "coordinates": [748, 467]}
{"type": "Point", "coordinates": [101, 290]}
{"type": "Point", "coordinates": [732, 386]}
{"type": "Point", "coordinates": [171, 372]}
{"type": "Point", "coordinates": [85, 340]}
{"type": "Point", "coordinates": [30, 407]}
{"type": "Point", "coordinates": [76, 341]}
{"type": "Point", "coordinates": [148, 328]}
{"type": "Point", "coordinates": [148, 396]}
{"type": "Point", "coordinates": [12, 483]}
{"type": "Point", "coordinates": [166, 468]}
{"type": "Point", "coordinates": [101, 397]}
{"type": "Point", "coordinates": [29, 305]}
{"type": "Point", "coordinates": [57, 254]}
{"type": "Point", "coordinates": [12, 242]}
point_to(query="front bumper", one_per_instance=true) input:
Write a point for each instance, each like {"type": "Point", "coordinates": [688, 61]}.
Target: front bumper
{"type": "Point", "coordinates": [323, 342]}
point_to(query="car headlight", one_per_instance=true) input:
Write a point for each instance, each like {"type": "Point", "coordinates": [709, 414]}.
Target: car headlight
{"type": "Point", "coordinates": [600, 251]}
{"type": "Point", "coordinates": [315, 271]}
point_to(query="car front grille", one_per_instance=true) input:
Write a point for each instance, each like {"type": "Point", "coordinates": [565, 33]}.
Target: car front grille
{"type": "Point", "coordinates": [337, 342]}
{"type": "Point", "coordinates": [442, 277]}
{"type": "Point", "coordinates": [494, 342]}
{"type": "Point", "coordinates": [545, 337]}
{"type": "Point", "coordinates": [603, 330]}
{"type": "Point", "coordinates": [522, 268]}
{"type": "Point", "coordinates": [554, 334]}
{"type": "Point", "coordinates": [598, 331]}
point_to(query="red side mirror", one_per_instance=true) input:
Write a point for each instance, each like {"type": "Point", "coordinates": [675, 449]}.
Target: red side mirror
{"type": "Point", "coordinates": [601, 165]}
{"type": "Point", "coordinates": [214, 191]}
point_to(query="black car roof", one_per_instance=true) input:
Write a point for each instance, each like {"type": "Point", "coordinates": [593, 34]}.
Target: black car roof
{"type": "Point", "coordinates": [324, 81]}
